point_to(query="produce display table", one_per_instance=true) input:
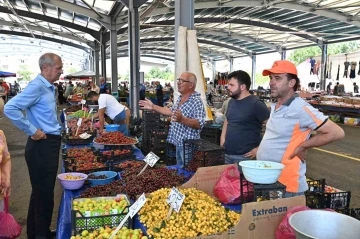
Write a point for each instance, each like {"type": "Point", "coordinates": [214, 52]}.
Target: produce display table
{"type": "Point", "coordinates": [63, 228]}
{"type": "Point", "coordinates": [336, 109]}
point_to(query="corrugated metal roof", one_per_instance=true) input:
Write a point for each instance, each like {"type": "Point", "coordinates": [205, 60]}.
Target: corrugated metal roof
{"type": "Point", "coordinates": [226, 28]}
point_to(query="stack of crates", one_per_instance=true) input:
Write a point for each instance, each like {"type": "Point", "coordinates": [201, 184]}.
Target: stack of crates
{"type": "Point", "coordinates": [212, 133]}
{"type": "Point", "coordinates": [158, 143]}
{"type": "Point", "coordinates": [150, 122]}
{"type": "Point", "coordinates": [201, 153]}
{"type": "Point", "coordinates": [320, 195]}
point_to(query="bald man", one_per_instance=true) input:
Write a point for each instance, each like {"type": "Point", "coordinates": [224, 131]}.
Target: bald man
{"type": "Point", "coordinates": [188, 114]}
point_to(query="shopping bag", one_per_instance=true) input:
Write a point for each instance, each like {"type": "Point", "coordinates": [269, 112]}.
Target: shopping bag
{"type": "Point", "coordinates": [227, 188]}
{"type": "Point", "coordinates": [9, 228]}
{"type": "Point", "coordinates": [284, 230]}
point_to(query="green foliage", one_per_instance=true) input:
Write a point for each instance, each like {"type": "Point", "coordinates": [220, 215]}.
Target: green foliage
{"type": "Point", "coordinates": [261, 80]}
{"type": "Point", "coordinates": [71, 70]}
{"type": "Point", "coordinates": [124, 77]}
{"type": "Point", "coordinates": [300, 55]}
{"type": "Point", "coordinates": [24, 72]}
{"type": "Point", "coordinates": [156, 73]}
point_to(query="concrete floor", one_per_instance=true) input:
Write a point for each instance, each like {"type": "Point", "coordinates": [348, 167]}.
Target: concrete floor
{"type": "Point", "coordinates": [340, 172]}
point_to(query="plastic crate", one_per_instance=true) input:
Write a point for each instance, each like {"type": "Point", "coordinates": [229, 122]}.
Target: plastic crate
{"type": "Point", "coordinates": [201, 153]}
{"type": "Point", "coordinates": [83, 221]}
{"type": "Point", "coordinates": [345, 211]}
{"type": "Point", "coordinates": [113, 159]}
{"type": "Point", "coordinates": [211, 133]}
{"type": "Point", "coordinates": [253, 192]}
{"type": "Point", "coordinates": [72, 168]}
{"type": "Point", "coordinates": [315, 185]}
{"type": "Point", "coordinates": [66, 140]}
{"type": "Point", "coordinates": [337, 200]}
{"type": "Point", "coordinates": [314, 200]}
{"type": "Point", "coordinates": [355, 213]}
{"type": "Point", "coordinates": [171, 150]}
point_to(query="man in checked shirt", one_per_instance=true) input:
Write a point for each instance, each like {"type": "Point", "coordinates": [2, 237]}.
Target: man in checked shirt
{"type": "Point", "coordinates": [188, 114]}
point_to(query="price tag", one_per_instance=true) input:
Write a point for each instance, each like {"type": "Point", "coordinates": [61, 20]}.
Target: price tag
{"type": "Point", "coordinates": [175, 199]}
{"type": "Point", "coordinates": [79, 122]}
{"type": "Point", "coordinates": [83, 102]}
{"type": "Point", "coordinates": [137, 205]}
{"type": "Point", "coordinates": [151, 159]}
{"type": "Point", "coordinates": [91, 110]}
{"type": "Point", "coordinates": [132, 211]}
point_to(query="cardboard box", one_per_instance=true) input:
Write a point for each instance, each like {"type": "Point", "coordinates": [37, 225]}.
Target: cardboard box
{"type": "Point", "coordinates": [259, 220]}
{"type": "Point", "coordinates": [352, 121]}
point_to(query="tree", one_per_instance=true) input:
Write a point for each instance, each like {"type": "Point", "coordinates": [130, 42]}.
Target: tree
{"type": "Point", "coordinates": [72, 69]}
{"type": "Point", "coordinates": [300, 55]}
{"type": "Point", "coordinates": [261, 80]}
{"type": "Point", "coordinates": [24, 72]}
{"type": "Point", "coordinates": [156, 73]}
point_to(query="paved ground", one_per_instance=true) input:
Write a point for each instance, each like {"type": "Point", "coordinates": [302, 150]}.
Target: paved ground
{"type": "Point", "coordinates": [340, 172]}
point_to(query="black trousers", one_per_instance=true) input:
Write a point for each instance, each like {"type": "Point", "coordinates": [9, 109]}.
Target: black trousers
{"type": "Point", "coordinates": [42, 159]}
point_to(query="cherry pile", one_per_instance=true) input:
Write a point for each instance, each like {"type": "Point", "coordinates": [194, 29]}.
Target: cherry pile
{"type": "Point", "coordinates": [81, 153]}
{"type": "Point", "coordinates": [130, 164]}
{"type": "Point", "coordinates": [92, 176]}
{"type": "Point", "coordinates": [117, 152]}
{"type": "Point", "coordinates": [84, 128]}
{"type": "Point", "coordinates": [73, 108]}
{"type": "Point", "coordinates": [149, 181]}
{"type": "Point", "coordinates": [114, 138]}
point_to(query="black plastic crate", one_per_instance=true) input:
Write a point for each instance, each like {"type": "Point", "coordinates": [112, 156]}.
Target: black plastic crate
{"type": "Point", "coordinates": [171, 150]}
{"type": "Point", "coordinates": [345, 211]}
{"type": "Point", "coordinates": [315, 185]}
{"type": "Point", "coordinates": [355, 213]}
{"type": "Point", "coordinates": [201, 153]}
{"type": "Point", "coordinates": [211, 133]}
{"type": "Point", "coordinates": [81, 221]}
{"type": "Point", "coordinates": [337, 200]}
{"type": "Point", "coordinates": [314, 200]}
{"type": "Point", "coordinates": [159, 134]}
{"type": "Point", "coordinates": [65, 138]}
{"type": "Point", "coordinates": [253, 192]}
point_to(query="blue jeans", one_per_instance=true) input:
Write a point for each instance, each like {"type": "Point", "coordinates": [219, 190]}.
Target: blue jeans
{"type": "Point", "coordinates": [289, 195]}
{"type": "Point", "coordinates": [231, 159]}
{"type": "Point", "coordinates": [180, 156]}
{"type": "Point", "coordinates": [119, 118]}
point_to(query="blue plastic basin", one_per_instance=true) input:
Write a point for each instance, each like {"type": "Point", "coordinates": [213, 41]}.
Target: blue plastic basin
{"type": "Point", "coordinates": [110, 176]}
{"type": "Point", "coordinates": [112, 127]}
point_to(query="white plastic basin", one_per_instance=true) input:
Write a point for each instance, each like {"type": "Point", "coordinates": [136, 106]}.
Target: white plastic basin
{"type": "Point", "coordinates": [263, 172]}
{"type": "Point", "coordinates": [320, 224]}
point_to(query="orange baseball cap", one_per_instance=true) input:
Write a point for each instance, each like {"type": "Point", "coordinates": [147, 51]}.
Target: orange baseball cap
{"type": "Point", "coordinates": [281, 67]}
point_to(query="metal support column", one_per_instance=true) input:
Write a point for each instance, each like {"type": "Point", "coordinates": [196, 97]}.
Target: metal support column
{"type": "Point", "coordinates": [253, 71]}
{"type": "Point", "coordinates": [184, 16]}
{"type": "Point", "coordinates": [283, 53]}
{"type": "Point", "coordinates": [134, 55]}
{"type": "Point", "coordinates": [103, 55]}
{"type": "Point", "coordinates": [93, 60]}
{"type": "Point", "coordinates": [113, 55]}
{"type": "Point", "coordinates": [324, 48]}
{"type": "Point", "coordinates": [231, 62]}
{"type": "Point", "coordinates": [213, 64]}
{"type": "Point", "coordinates": [97, 62]}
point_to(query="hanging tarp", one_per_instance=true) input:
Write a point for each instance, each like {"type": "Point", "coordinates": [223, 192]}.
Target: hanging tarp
{"type": "Point", "coordinates": [7, 74]}
{"type": "Point", "coordinates": [81, 74]}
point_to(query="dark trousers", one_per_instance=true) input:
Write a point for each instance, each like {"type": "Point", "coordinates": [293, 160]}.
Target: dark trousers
{"type": "Point", "coordinates": [42, 158]}
{"type": "Point", "coordinates": [160, 101]}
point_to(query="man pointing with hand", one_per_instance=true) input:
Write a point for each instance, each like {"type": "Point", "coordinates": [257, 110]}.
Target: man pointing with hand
{"type": "Point", "coordinates": [187, 114]}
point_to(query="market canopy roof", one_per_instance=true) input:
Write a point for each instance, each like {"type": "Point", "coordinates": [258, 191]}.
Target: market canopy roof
{"type": "Point", "coordinates": [226, 28]}
{"type": "Point", "coordinates": [7, 74]}
{"type": "Point", "coordinates": [81, 74]}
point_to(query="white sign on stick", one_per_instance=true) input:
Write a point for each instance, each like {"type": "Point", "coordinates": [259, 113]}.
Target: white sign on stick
{"type": "Point", "coordinates": [151, 159]}
{"type": "Point", "coordinates": [175, 199]}
{"type": "Point", "coordinates": [79, 122]}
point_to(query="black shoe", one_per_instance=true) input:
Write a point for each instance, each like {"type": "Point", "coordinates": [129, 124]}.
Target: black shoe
{"type": "Point", "coordinates": [53, 233]}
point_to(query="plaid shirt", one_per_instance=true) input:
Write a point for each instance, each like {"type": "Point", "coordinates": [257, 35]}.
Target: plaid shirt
{"type": "Point", "coordinates": [193, 108]}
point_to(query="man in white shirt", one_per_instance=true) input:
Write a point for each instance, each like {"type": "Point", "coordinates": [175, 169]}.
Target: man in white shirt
{"type": "Point", "coordinates": [111, 107]}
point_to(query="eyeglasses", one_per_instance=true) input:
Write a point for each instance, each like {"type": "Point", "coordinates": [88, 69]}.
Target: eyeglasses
{"type": "Point", "coordinates": [182, 81]}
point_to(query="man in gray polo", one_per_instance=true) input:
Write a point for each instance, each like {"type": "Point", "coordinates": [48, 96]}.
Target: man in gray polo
{"type": "Point", "coordinates": [287, 135]}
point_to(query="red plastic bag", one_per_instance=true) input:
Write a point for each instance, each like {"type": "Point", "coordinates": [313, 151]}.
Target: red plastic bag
{"type": "Point", "coordinates": [284, 230]}
{"type": "Point", "coordinates": [227, 188]}
{"type": "Point", "coordinates": [9, 228]}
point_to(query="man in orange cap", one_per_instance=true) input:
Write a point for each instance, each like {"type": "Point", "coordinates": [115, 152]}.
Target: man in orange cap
{"type": "Point", "coordinates": [288, 129]}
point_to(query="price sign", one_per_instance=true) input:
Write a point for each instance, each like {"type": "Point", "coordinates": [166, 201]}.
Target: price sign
{"type": "Point", "coordinates": [151, 159]}
{"type": "Point", "coordinates": [175, 199]}
{"type": "Point", "coordinates": [137, 205]}
{"type": "Point", "coordinates": [83, 102]}
{"type": "Point", "coordinates": [132, 211]}
{"type": "Point", "coordinates": [79, 122]}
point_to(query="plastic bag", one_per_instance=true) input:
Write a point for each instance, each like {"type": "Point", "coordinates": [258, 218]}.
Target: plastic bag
{"type": "Point", "coordinates": [284, 230]}
{"type": "Point", "coordinates": [227, 188]}
{"type": "Point", "coordinates": [9, 228]}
